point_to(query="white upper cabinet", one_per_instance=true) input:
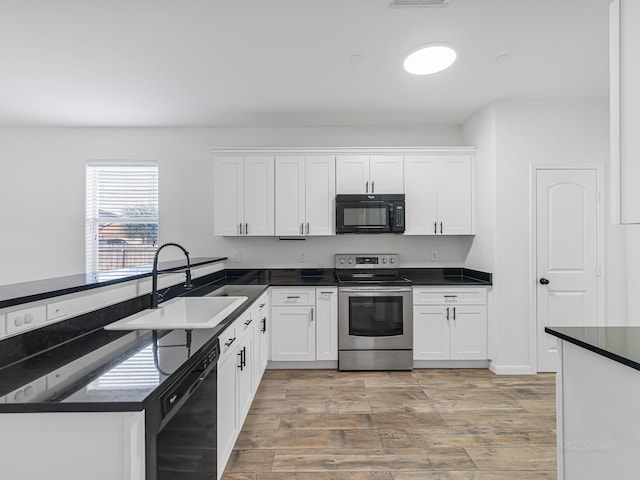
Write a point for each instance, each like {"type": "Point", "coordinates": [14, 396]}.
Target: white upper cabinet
{"type": "Point", "coordinates": [244, 196]}
{"type": "Point", "coordinates": [625, 110]}
{"type": "Point", "coordinates": [361, 174]}
{"type": "Point", "coordinates": [305, 195]}
{"type": "Point", "coordinates": [438, 195]}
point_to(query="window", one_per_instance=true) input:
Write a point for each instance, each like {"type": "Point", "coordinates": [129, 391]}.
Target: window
{"type": "Point", "coordinates": [122, 214]}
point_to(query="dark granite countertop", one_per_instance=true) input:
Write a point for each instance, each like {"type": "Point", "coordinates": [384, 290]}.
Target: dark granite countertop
{"type": "Point", "coordinates": [621, 344]}
{"type": "Point", "coordinates": [277, 277]}
{"type": "Point", "coordinates": [111, 370]}
{"type": "Point", "coordinates": [446, 276]}
{"type": "Point", "coordinates": [326, 276]}
{"type": "Point", "coordinates": [19, 293]}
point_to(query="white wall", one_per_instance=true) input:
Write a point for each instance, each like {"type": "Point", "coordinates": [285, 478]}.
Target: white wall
{"type": "Point", "coordinates": [42, 194]}
{"type": "Point", "coordinates": [538, 133]}
{"type": "Point", "coordinates": [480, 130]}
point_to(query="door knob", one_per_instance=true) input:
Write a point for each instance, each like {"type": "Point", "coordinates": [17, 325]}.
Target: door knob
{"type": "Point", "coordinates": [544, 281]}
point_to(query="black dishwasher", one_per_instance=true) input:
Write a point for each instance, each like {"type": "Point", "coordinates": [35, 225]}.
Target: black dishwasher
{"type": "Point", "coordinates": [182, 441]}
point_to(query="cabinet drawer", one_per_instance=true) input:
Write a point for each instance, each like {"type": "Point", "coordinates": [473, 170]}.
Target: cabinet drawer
{"type": "Point", "coordinates": [228, 342]}
{"type": "Point", "coordinates": [260, 308]}
{"type": "Point", "coordinates": [293, 296]}
{"type": "Point", "coordinates": [449, 296]}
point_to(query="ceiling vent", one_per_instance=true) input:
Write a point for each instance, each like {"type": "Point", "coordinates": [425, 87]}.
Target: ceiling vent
{"type": "Point", "coordinates": [419, 3]}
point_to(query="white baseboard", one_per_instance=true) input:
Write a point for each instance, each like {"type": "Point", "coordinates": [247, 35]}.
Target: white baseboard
{"type": "Point", "coordinates": [512, 369]}
{"type": "Point", "coordinates": [322, 364]}
{"type": "Point", "coordinates": [450, 364]}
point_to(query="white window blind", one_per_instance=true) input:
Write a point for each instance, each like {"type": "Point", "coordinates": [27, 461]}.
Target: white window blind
{"type": "Point", "coordinates": [122, 214]}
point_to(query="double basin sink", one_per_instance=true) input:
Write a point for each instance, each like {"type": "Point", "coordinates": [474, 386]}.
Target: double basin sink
{"type": "Point", "coordinates": [189, 312]}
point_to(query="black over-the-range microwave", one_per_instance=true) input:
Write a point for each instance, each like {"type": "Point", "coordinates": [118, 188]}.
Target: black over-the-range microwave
{"type": "Point", "coordinates": [370, 213]}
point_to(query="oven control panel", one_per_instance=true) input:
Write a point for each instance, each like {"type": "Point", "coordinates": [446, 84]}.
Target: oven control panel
{"type": "Point", "coordinates": [368, 260]}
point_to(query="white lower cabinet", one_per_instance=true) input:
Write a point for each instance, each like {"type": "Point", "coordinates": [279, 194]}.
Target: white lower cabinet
{"type": "Point", "coordinates": [293, 333]}
{"type": "Point", "coordinates": [304, 324]}
{"type": "Point", "coordinates": [445, 327]}
{"type": "Point", "coordinates": [261, 330]}
{"type": "Point", "coordinates": [227, 409]}
{"type": "Point", "coordinates": [327, 323]}
{"type": "Point", "coordinates": [240, 367]}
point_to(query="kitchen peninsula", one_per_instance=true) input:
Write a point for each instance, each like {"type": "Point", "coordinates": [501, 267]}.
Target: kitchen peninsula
{"type": "Point", "coordinates": [598, 391]}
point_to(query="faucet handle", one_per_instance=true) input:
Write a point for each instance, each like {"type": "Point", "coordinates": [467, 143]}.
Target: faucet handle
{"type": "Point", "coordinates": [162, 294]}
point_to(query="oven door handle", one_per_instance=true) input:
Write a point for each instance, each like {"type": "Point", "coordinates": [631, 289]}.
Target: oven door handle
{"type": "Point", "coordinates": [376, 290]}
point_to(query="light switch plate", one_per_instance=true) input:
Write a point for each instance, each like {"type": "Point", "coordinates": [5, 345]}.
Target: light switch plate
{"type": "Point", "coordinates": [57, 310]}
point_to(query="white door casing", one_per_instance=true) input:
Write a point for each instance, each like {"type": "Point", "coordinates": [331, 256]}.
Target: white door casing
{"type": "Point", "coordinates": [566, 249]}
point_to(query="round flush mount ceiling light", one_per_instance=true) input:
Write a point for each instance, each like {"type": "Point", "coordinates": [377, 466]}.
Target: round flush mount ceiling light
{"type": "Point", "coordinates": [430, 59]}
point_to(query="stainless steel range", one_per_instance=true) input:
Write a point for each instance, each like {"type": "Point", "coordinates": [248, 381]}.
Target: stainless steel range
{"type": "Point", "coordinates": [375, 313]}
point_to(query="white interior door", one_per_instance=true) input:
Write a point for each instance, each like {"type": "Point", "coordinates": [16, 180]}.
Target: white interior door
{"type": "Point", "coordinates": [566, 255]}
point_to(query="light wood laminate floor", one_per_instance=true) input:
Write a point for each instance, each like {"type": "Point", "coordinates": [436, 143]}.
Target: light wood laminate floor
{"type": "Point", "coordinates": [431, 424]}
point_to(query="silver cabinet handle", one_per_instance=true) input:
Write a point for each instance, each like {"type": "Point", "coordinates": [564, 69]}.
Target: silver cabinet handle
{"type": "Point", "coordinates": [301, 229]}
{"type": "Point", "coordinates": [366, 187]}
{"type": "Point", "coordinates": [293, 296]}
{"type": "Point", "coordinates": [246, 229]}
{"type": "Point", "coordinates": [440, 227]}
{"type": "Point", "coordinates": [454, 313]}
{"type": "Point", "coordinates": [312, 314]}
{"type": "Point", "coordinates": [326, 293]}
{"type": "Point", "coordinates": [240, 229]}
{"type": "Point", "coordinates": [435, 227]}
{"type": "Point", "coordinates": [307, 228]}
{"type": "Point", "coordinates": [447, 313]}
{"type": "Point", "coordinates": [373, 189]}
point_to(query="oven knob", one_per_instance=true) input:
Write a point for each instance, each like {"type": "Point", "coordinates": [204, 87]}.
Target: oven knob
{"type": "Point", "coordinates": [342, 261]}
{"type": "Point", "coordinates": [384, 260]}
{"type": "Point", "coordinates": [392, 260]}
{"type": "Point", "coordinates": [350, 261]}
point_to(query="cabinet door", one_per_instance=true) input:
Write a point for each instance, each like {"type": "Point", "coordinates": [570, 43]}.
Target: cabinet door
{"type": "Point", "coordinates": [430, 333]}
{"type": "Point", "coordinates": [386, 174]}
{"type": "Point", "coordinates": [245, 377]}
{"type": "Point", "coordinates": [421, 194]}
{"type": "Point", "coordinates": [469, 333]}
{"type": "Point", "coordinates": [352, 174]}
{"type": "Point", "coordinates": [227, 405]}
{"type": "Point", "coordinates": [454, 195]}
{"type": "Point", "coordinates": [320, 199]}
{"type": "Point", "coordinates": [293, 334]}
{"type": "Point", "coordinates": [625, 110]}
{"type": "Point", "coordinates": [259, 199]}
{"type": "Point", "coordinates": [264, 329]}
{"type": "Point", "coordinates": [290, 195]}
{"type": "Point", "coordinates": [228, 192]}
{"type": "Point", "coordinates": [327, 323]}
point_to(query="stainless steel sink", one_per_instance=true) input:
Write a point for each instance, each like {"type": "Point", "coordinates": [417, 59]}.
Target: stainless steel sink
{"type": "Point", "coordinates": [182, 312]}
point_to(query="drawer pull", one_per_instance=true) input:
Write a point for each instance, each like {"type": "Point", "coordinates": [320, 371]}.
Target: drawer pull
{"type": "Point", "coordinates": [228, 344]}
{"type": "Point", "coordinates": [291, 297]}
{"type": "Point", "coordinates": [451, 296]}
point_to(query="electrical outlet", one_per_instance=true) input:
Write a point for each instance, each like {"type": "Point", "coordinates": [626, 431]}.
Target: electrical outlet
{"type": "Point", "coordinates": [434, 255]}
{"type": "Point", "coordinates": [303, 257]}
{"type": "Point", "coordinates": [237, 256]}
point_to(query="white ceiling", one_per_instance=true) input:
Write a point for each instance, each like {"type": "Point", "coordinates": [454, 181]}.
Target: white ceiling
{"type": "Point", "coordinates": [287, 62]}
